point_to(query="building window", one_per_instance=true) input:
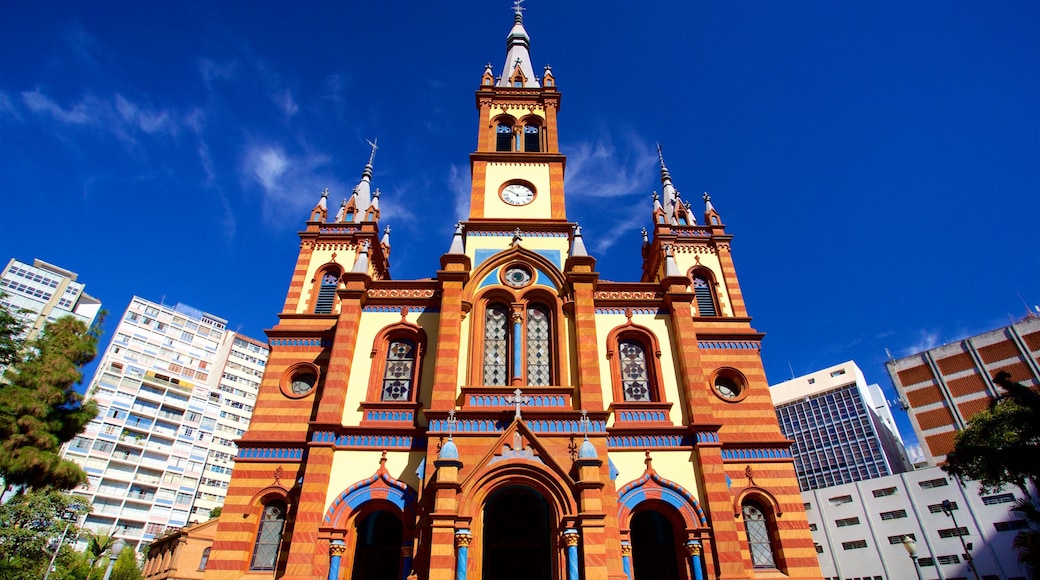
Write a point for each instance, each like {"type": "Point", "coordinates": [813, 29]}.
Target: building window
{"type": "Point", "coordinates": [997, 499]}
{"type": "Point", "coordinates": [326, 293]}
{"type": "Point", "coordinates": [532, 138]}
{"type": "Point", "coordinates": [898, 539]}
{"type": "Point", "coordinates": [933, 483]}
{"type": "Point", "coordinates": [702, 289]}
{"type": "Point", "coordinates": [951, 559]}
{"type": "Point", "coordinates": [938, 507]}
{"type": "Point", "coordinates": [400, 370]}
{"type": "Point", "coordinates": [854, 545]}
{"type": "Point", "coordinates": [953, 532]}
{"type": "Point", "coordinates": [269, 536]}
{"type": "Point", "coordinates": [893, 515]}
{"type": "Point", "coordinates": [841, 499]}
{"type": "Point", "coordinates": [504, 137]}
{"type": "Point", "coordinates": [204, 560]}
{"type": "Point", "coordinates": [1011, 525]}
{"type": "Point", "coordinates": [518, 347]}
{"type": "Point", "coordinates": [635, 377]}
{"type": "Point", "coordinates": [496, 344]}
{"type": "Point", "coordinates": [759, 539]}
{"type": "Point", "coordinates": [845, 522]}
{"type": "Point", "coordinates": [884, 492]}
{"type": "Point", "coordinates": [538, 346]}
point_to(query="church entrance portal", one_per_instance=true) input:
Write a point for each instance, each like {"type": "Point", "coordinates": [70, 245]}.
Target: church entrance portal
{"type": "Point", "coordinates": [653, 547]}
{"type": "Point", "coordinates": [517, 536]}
{"type": "Point", "coordinates": [377, 553]}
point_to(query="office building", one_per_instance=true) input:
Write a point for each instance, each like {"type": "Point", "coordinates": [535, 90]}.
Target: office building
{"type": "Point", "coordinates": [842, 428]}
{"type": "Point", "coordinates": [40, 292]}
{"type": "Point", "coordinates": [174, 389]}
{"type": "Point", "coordinates": [945, 386]}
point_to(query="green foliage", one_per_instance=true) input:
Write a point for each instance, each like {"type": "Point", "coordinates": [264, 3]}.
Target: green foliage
{"type": "Point", "coordinates": [31, 525]}
{"type": "Point", "coordinates": [10, 336]}
{"type": "Point", "coordinates": [1000, 445]}
{"type": "Point", "coordinates": [40, 409]}
{"type": "Point", "coordinates": [215, 512]}
{"type": "Point", "coordinates": [126, 566]}
{"type": "Point", "coordinates": [1027, 542]}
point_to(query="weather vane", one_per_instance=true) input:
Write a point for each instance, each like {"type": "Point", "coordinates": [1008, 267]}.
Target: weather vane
{"type": "Point", "coordinates": [517, 8]}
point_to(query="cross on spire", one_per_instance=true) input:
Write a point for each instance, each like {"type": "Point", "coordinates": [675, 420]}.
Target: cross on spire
{"type": "Point", "coordinates": [451, 421]}
{"type": "Point", "coordinates": [585, 423]}
{"type": "Point", "coordinates": [518, 399]}
{"type": "Point", "coordinates": [517, 8]}
{"type": "Point", "coordinates": [518, 61]}
{"type": "Point", "coordinates": [372, 157]}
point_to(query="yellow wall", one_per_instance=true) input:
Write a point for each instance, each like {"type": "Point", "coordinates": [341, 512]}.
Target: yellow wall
{"type": "Point", "coordinates": [499, 173]}
{"type": "Point", "coordinates": [345, 257]}
{"type": "Point", "coordinates": [671, 465]}
{"type": "Point", "coordinates": [687, 260]}
{"type": "Point", "coordinates": [351, 466]}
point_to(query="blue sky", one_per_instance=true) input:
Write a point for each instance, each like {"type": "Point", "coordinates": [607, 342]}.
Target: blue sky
{"type": "Point", "coordinates": [878, 162]}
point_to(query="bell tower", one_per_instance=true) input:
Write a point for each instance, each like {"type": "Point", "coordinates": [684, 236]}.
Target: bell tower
{"type": "Point", "coordinates": [517, 168]}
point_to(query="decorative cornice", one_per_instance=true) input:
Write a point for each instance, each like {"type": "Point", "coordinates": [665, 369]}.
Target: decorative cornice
{"type": "Point", "coordinates": [755, 453]}
{"type": "Point", "coordinates": [730, 344]}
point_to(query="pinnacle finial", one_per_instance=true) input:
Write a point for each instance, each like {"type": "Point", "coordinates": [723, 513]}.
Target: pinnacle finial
{"type": "Point", "coordinates": [646, 238]}
{"type": "Point", "coordinates": [372, 156]}
{"type": "Point", "coordinates": [517, 238]}
{"type": "Point", "coordinates": [325, 192]}
{"type": "Point", "coordinates": [386, 231]}
{"type": "Point", "coordinates": [517, 8]}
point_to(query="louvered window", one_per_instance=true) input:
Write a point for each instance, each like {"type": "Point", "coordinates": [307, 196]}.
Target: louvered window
{"type": "Point", "coordinates": [705, 297]}
{"type": "Point", "coordinates": [400, 370]}
{"type": "Point", "coordinates": [504, 137]}
{"type": "Point", "coordinates": [496, 345]}
{"type": "Point", "coordinates": [635, 378]}
{"type": "Point", "coordinates": [532, 138]}
{"type": "Point", "coordinates": [537, 346]}
{"type": "Point", "coordinates": [268, 537]}
{"type": "Point", "coordinates": [758, 536]}
{"type": "Point", "coordinates": [326, 294]}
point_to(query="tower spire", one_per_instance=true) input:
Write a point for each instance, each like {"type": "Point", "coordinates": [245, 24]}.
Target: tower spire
{"type": "Point", "coordinates": [517, 71]}
{"type": "Point", "coordinates": [363, 190]}
{"type": "Point", "coordinates": [667, 189]}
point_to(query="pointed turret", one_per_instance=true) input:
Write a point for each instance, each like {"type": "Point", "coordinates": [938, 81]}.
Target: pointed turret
{"type": "Point", "coordinates": [578, 245]}
{"type": "Point", "coordinates": [668, 190]}
{"type": "Point", "coordinates": [711, 217]}
{"type": "Point", "coordinates": [363, 190]}
{"type": "Point", "coordinates": [518, 71]}
{"type": "Point", "coordinates": [457, 247]}
{"type": "Point", "coordinates": [372, 213]}
{"type": "Point", "coordinates": [361, 264]}
{"type": "Point", "coordinates": [321, 210]}
{"type": "Point", "coordinates": [342, 213]}
{"type": "Point", "coordinates": [385, 242]}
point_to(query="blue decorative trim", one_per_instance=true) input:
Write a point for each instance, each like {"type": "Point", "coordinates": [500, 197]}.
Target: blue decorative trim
{"type": "Point", "coordinates": [523, 234]}
{"type": "Point", "coordinates": [301, 342]}
{"type": "Point", "coordinates": [707, 437]}
{"type": "Point", "coordinates": [537, 426]}
{"type": "Point", "coordinates": [269, 453]}
{"type": "Point", "coordinates": [398, 416]}
{"type": "Point", "coordinates": [397, 309]}
{"type": "Point", "coordinates": [397, 493]}
{"type": "Point", "coordinates": [644, 416]}
{"type": "Point", "coordinates": [339, 229]}
{"type": "Point", "coordinates": [621, 311]}
{"type": "Point", "coordinates": [500, 401]}
{"type": "Point", "coordinates": [672, 493]}
{"type": "Point", "coordinates": [364, 441]}
{"type": "Point", "coordinates": [730, 344]}
{"type": "Point", "coordinates": [756, 453]}
{"type": "Point", "coordinates": [691, 233]}
{"type": "Point", "coordinates": [644, 441]}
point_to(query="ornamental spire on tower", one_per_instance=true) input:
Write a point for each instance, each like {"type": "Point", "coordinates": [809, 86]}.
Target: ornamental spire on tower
{"type": "Point", "coordinates": [518, 71]}
{"type": "Point", "coordinates": [667, 188]}
{"type": "Point", "coordinates": [363, 190]}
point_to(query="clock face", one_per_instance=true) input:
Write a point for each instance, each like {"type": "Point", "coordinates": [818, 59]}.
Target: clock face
{"type": "Point", "coordinates": [302, 384]}
{"type": "Point", "coordinates": [517, 194]}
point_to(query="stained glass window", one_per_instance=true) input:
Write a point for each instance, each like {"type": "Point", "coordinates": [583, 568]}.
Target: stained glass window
{"type": "Point", "coordinates": [532, 139]}
{"type": "Point", "coordinates": [705, 299]}
{"type": "Point", "coordinates": [327, 293]}
{"type": "Point", "coordinates": [496, 347]}
{"type": "Point", "coordinates": [268, 537]}
{"type": "Point", "coordinates": [758, 536]}
{"type": "Point", "coordinates": [400, 366]}
{"type": "Point", "coordinates": [635, 379]}
{"type": "Point", "coordinates": [504, 137]}
{"type": "Point", "coordinates": [537, 346]}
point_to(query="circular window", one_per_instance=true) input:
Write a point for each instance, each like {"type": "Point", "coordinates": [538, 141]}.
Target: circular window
{"type": "Point", "coordinates": [517, 276]}
{"type": "Point", "coordinates": [299, 380]}
{"type": "Point", "coordinates": [729, 385]}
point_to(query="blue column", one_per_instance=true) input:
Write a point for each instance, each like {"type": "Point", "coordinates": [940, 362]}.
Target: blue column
{"type": "Point", "coordinates": [406, 560]}
{"type": "Point", "coordinates": [518, 342]}
{"type": "Point", "coordinates": [626, 559]}
{"type": "Point", "coordinates": [336, 550]}
{"type": "Point", "coordinates": [462, 540]}
{"type": "Point", "coordinates": [570, 537]}
{"type": "Point", "coordinates": [693, 548]}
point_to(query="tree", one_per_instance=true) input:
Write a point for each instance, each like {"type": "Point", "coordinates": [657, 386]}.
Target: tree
{"type": "Point", "coordinates": [98, 544]}
{"type": "Point", "coordinates": [11, 329]}
{"type": "Point", "coordinates": [1000, 445]}
{"type": "Point", "coordinates": [1027, 542]}
{"type": "Point", "coordinates": [31, 527]}
{"type": "Point", "coordinates": [40, 409]}
{"type": "Point", "coordinates": [215, 512]}
{"type": "Point", "coordinates": [126, 566]}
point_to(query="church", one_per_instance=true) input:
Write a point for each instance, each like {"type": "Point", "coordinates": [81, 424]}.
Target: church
{"type": "Point", "coordinates": [514, 416]}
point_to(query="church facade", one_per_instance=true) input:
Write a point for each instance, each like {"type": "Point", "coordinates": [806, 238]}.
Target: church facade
{"type": "Point", "coordinates": [514, 416]}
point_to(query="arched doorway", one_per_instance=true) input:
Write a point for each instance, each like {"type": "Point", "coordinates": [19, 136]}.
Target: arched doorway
{"type": "Point", "coordinates": [517, 536]}
{"type": "Point", "coordinates": [653, 547]}
{"type": "Point", "coordinates": [377, 551]}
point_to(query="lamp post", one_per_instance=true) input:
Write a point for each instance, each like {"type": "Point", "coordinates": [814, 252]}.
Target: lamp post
{"type": "Point", "coordinates": [947, 508]}
{"type": "Point", "coordinates": [911, 548]}
{"type": "Point", "coordinates": [69, 517]}
{"type": "Point", "coordinates": [113, 555]}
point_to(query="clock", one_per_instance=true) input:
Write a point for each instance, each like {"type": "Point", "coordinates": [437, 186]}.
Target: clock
{"type": "Point", "coordinates": [517, 194]}
{"type": "Point", "coordinates": [302, 383]}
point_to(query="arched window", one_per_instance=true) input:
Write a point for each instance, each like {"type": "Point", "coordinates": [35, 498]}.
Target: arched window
{"type": "Point", "coordinates": [504, 136]}
{"type": "Point", "coordinates": [496, 345]}
{"type": "Point", "coordinates": [326, 292]}
{"type": "Point", "coordinates": [400, 370]}
{"type": "Point", "coordinates": [702, 289]}
{"type": "Point", "coordinates": [538, 346]}
{"type": "Point", "coordinates": [204, 560]}
{"type": "Point", "coordinates": [635, 374]}
{"type": "Point", "coordinates": [269, 536]}
{"type": "Point", "coordinates": [759, 540]}
{"type": "Point", "coordinates": [532, 138]}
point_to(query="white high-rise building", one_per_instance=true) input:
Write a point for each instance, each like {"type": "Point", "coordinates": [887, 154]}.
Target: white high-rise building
{"type": "Point", "coordinates": [40, 292]}
{"type": "Point", "coordinates": [174, 389]}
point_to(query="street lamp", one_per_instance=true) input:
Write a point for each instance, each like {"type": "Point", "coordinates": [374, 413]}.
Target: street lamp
{"type": "Point", "coordinates": [911, 548]}
{"type": "Point", "coordinates": [113, 555]}
{"type": "Point", "coordinates": [947, 508]}
{"type": "Point", "coordinates": [70, 517]}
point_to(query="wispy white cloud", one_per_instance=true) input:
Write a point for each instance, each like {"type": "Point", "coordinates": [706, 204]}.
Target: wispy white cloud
{"type": "Point", "coordinates": [89, 111]}
{"type": "Point", "coordinates": [116, 115]}
{"type": "Point", "coordinates": [211, 71]}
{"type": "Point", "coordinates": [284, 99]}
{"type": "Point", "coordinates": [461, 188]}
{"type": "Point", "coordinates": [289, 184]}
{"type": "Point", "coordinates": [7, 107]}
{"type": "Point", "coordinates": [926, 339]}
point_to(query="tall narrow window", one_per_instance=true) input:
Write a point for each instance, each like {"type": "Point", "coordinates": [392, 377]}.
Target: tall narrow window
{"type": "Point", "coordinates": [496, 345]}
{"type": "Point", "coordinates": [327, 293]}
{"type": "Point", "coordinates": [537, 346]}
{"type": "Point", "coordinates": [269, 536]}
{"type": "Point", "coordinates": [705, 296]}
{"type": "Point", "coordinates": [204, 560]}
{"type": "Point", "coordinates": [758, 536]}
{"type": "Point", "coordinates": [504, 137]}
{"type": "Point", "coordinates": [635, 378]}
{"type": "Point", "coordinates": [532, 138]}
{"type": "Point", "coordinates": [400, 364]}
